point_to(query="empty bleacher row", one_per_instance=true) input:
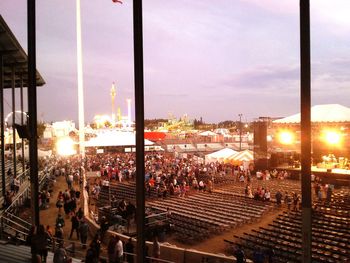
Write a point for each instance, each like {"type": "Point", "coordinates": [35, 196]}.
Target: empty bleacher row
{"type": "Point", "coordinates": [201, 215]}
{"type": "Point", "coordinates": [195, 217]}
{"type": "Point", "coordinates": [330, 234]}
{"type": "Point", "coordinates": [10, 253]}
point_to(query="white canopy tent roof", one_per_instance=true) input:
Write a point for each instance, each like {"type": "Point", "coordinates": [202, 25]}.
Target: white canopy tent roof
{"type": "Point", "coordinates": [244, 156]}
{"type": "Point", "coordinates": [207, 133]}
{"type": "Point", "coordinates": [114, 138]}
{"type": "Point", "coordinates": [219, 156]}
{"type": "Point", "coordinates": [322, 113]}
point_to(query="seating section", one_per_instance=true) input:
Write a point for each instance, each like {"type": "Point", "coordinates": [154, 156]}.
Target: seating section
{"type": "Point", "coordinates": [9, 164]}
{"type": "Point", "coordinates": [330, 233]}
{"type": "Point", "coordinates": [196, 216]}
{"type": "Point", "coordinates": [21, 254]}
{"type": "Point", "coordinates": [201, 215]}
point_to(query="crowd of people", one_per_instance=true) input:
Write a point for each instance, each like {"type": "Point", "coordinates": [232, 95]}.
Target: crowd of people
{"type": "Point", "coordinates": [164, 175]}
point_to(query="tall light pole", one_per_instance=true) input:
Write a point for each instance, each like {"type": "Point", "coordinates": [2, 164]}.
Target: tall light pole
{"type": "Point", "coordinates": [80, 83]}
{"type": "Point", "coordinates": [113, 94]}
{"type": "Point", "coordinates": [240, 131]}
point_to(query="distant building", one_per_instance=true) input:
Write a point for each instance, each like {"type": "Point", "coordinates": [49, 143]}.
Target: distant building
{"type": "Point", "coordinates": [62, 128]}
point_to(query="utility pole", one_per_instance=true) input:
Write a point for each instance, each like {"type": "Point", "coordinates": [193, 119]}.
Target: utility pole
{"type": "Point", "coordinates": [80, 83]}
{"type": "Point", "coordinates": [240, 131]}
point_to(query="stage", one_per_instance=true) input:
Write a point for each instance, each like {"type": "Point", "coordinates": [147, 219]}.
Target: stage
{"type": "Point", "coordinates": [336, 176]}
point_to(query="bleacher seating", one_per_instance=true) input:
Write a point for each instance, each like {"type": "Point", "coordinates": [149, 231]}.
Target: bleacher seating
{"type": "Point", "coordinates": [21, 254]}
{"type": "Point", "coordinates": [330, 233]}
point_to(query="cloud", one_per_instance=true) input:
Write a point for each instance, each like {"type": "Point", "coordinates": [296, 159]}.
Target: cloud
{"type": "Point", "coordinates": [264, 80]}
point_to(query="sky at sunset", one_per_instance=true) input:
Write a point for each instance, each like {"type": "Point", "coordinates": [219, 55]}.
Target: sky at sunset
{"type": "Point", "coordinates": [210, 59]}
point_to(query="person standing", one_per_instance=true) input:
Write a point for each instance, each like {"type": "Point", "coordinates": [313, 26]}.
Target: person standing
{"type": "Point", "coordinates": [156, 248]}
{"type": "Point", "coordinates": [119, 252]}
{"type": "Point", "coordinates": [239, 254]}
{"type": "Point", "coordinates": [75, 226]}
{"type": "Point", "coordinates": [278, 197]}
{"type": "Point", "coordinates": [111, 249]}
{"type": "Point", "coordinates": [60, 255]}
{"type": "Point", "coordinates": [60, 220]}
{"type": "Point", "coordinates": [39, 243]}
{"type": "Point", "coordinates": [129, 248]}
{"type": "Point", "coordinates": [83, 231]}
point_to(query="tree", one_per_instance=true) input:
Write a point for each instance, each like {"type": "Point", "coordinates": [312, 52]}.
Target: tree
{"type": "Point", "coordinates": [41, 126]}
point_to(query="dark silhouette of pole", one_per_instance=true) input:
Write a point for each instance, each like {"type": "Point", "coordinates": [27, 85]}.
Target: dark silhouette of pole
{"type": "Point", "coordinates": [2, 129]}
{"type": "Point", "coordinates": [32, 104]}
{"type": "Point", "coordinates": [305, 101]}
{"type": "Point", "coordinates": [13, 97]}
{"type": "Point", "coordinates": [139, 114]}
{"type": "Point", "coordinates": [22, 123]}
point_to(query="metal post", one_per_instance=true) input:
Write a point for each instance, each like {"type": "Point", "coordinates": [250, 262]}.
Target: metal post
{"type": "Point", "coordinates": [13, 96]}
{"type": "Point", "coordinates": [80, 83]}
{"type": "Point", "coordinates": [240, 131]}
{"type": "Point", "coordinates": [3, 178]}
{"type": "Point", "coordinates": [140, 147]}
{"type": "Point", "coordinates": [32, 104]}
{"type": "Point", "coordinates": [305, 101]}
{"type": "Point", "coordinates": [22, 122]}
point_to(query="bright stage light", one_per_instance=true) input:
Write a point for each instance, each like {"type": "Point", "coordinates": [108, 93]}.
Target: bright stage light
{"type": "Point", "coordinates": [332, 137]}
{"type": "Point", "coordinates": [286, 137]}
{"type": "Point", "coordinates": [65, 147]}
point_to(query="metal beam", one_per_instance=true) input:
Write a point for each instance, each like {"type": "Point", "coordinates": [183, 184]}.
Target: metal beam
{"type": "Point", "coordinates": [305, 101]}
{"type": "Point", "coordinates": [140, 147]}
{"type": "Point", "coordinates": [13, 96]}
{"type": "Point", "coordinates": [2, 129]}
{"type": "Point", "coordinates": [22, 122]}
{"type": "Point", "coordinates": [32, 110]}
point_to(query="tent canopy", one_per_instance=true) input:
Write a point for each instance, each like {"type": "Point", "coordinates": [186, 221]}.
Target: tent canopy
{"type": "Point", "coordinates": [114, 138]}
{"type": "Point", "coordinates": [322, 113]}
{"type": "Point", "coordinates": [155, 136]}
{"type": "Point", "coordinates": [207, 133]}
{"type": "Point", "coordinates": [244, 156]}
{"type": "Point", "coordinates": [220, 155]}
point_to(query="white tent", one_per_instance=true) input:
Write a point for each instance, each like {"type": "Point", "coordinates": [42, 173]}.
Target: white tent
{"type": "Point", "coordinates": [114, 138]}
{"type": "Point", "coordinates": [207, 133]}
{"type": "Point", "coordinates": [243, 156]}
{"type": "Point", "coordinates": [322, 113]}
{"type": "Point", "coordinates": [219, 156]}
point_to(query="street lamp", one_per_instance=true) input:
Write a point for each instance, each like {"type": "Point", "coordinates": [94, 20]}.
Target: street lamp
{"type": "Point", "coordinates": [240, 131]}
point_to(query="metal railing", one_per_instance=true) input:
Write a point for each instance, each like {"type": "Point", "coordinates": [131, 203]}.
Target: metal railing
{"type": "Point", "coordinates": [10, 218]}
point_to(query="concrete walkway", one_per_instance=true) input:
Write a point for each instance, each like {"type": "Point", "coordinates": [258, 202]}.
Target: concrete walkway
{"type": "Point", "coordinates": [48, 216]}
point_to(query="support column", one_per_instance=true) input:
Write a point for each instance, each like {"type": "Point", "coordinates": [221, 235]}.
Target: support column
{"type": "Point", "coordinates": [2, 129]}
{"type": "Point", "coordinates": [305, 101]}
{"type": "Point", "coordinates": [13, 96]}
{"type": "Point", "coordinates": [22, 123]}
{"type": "Point", "coordinates": [139, 114]}
{"type": "Point", "coordinates": [32, 109]}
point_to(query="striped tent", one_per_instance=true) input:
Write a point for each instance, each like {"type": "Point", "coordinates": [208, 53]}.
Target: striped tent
{"type": "Point", "coordinates": [243, 156]}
